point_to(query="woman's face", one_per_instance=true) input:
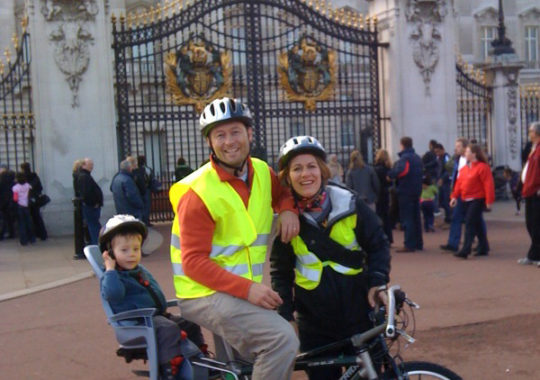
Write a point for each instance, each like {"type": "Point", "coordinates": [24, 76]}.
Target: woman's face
{"type": "Point", "coordinates": [469, 155]}
{"type": "Point", "coordinates": [305, 175]}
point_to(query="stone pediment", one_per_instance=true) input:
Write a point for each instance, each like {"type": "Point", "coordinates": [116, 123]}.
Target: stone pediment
{"type": "Point", "coordinates": [486, 14]}
{"type": "Point", "coordinates": [530, 14]}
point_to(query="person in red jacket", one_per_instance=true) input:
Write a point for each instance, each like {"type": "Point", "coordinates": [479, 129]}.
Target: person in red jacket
{"type": "Point", "coordinates": [476, 188]}
{"type": "Point", "coordinates": [531, 193]}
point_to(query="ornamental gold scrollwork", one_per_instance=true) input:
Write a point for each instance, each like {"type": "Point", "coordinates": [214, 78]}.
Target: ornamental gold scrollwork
{"type": "Point", "coordinates": [197, 73]}
{"type": "Point", "coordinates": [307, 72]}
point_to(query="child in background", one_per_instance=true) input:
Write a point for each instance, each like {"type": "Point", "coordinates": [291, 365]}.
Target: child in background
{"type": "Point", "coordinates": [514, 181]}
{"type": "Point", "coordinates": [126, 285]}
{"type": "Point", "coordinates": [20, 195]}
{"type": "Point", "coordinates": [427, 203]}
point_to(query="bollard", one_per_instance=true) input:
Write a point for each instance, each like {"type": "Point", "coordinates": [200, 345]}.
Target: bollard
{"type": "Point", "coordinates": [78, 228]}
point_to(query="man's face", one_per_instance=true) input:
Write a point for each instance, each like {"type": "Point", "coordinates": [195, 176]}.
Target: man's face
{"type": "Point", "coordinates": [231, 142]}
{"type": "Point", "coordinates": [458, 148]}
{"type": "Point", "coordinates": [88, 165]}
{"type": "Point", "coordinates": [533, 136]}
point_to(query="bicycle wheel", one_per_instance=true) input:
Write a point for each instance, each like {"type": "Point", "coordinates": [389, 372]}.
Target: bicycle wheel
{"type": "Point", "coordinates": [426, 371]}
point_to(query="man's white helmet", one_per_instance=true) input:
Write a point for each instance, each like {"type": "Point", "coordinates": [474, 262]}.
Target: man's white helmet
{"type": "Point", "coordinates": [223, 110]}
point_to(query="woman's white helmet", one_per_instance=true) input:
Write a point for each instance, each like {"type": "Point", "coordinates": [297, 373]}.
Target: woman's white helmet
{"type": "Point", "coordinates": [298, 145]}
{"type": "Point", "coordinates": [223, 110]}
{"type": "Point", "coordinates": [122, 223]}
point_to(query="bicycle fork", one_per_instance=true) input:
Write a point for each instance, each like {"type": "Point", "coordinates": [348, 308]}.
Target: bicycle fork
{"type": "Point", "coordinates": [364, 368]}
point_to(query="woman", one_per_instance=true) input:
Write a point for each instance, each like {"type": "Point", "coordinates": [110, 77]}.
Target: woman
{"type": "Point", "coordinates": [382, 206]}
{"type": "Point", "coordinates": [336, 170]}
{"type": "Point", "coordinates": [321, 273]}
{"type": "Point", "coordinates": [362, 179]}
{"type": "Point", "coordinates": [37, 189]}
{"type": "Point", "coordinates": [476, 188]}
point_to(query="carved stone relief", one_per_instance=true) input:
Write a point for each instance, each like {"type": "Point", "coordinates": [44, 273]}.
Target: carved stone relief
{"type": "Point", "coordinates": [425, 17]}
{"type": "Point", "coordinates": [512, 103]}
{"type": "Point", "coordinates": [71, 37]}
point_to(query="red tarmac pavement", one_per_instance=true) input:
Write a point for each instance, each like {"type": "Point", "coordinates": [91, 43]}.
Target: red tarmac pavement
{"type": "Point", "coordinates": [478, 316]}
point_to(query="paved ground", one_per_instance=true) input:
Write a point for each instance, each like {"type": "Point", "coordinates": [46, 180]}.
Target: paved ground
{"type": "Point", "coordinates": [478, 316]}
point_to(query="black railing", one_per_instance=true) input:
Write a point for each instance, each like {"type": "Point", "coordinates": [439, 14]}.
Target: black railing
{"type": "Point", "coordinates": [474, 104]}
{"type": "Point", "coordinates": [254, 34]}
{"type": "Point", "coordinates": [530, 109]}
{"type": "Point", "coordinates": [16, 117]}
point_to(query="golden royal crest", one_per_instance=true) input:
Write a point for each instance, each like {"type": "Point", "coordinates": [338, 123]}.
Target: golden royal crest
{"type": "Point", "coordinates": [307, 72]}
{"type": "Point", "coordinates": [197, 73]}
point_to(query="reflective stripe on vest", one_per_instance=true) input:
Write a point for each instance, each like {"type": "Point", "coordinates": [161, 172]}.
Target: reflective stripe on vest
{"type": "Point", "coordinates": [309, 267]}
{"type": "Point", "coordinates": [241, 235]}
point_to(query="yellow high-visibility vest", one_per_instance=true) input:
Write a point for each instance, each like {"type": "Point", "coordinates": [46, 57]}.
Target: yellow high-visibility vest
{"type": "Point", "coordinates": [309, 267]}
{"type": "Point", "coordinates": [241, 235]}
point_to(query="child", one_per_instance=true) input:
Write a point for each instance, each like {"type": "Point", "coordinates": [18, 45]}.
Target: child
{"type": "Point", "coordinates": [20, 195]}
{"type": "Point", "coordinates": [427, 203]}
{"type": "Point", "coordinates": [126, 285]}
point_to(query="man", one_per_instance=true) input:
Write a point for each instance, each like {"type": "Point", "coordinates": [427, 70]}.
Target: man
{"type": "Point", "coordinates": [126, 194]}
{"type": "Point", "coordinates": [219, 243]}
{"type": "Point", "coordinates": [7, 206]}
{"type": "Point", "coordinates": [138, 173]}
{"type": "Point", "coordinates": [531, 192]}
{"type": "Point", "coordinates": [443, 181]}
{"type": "Point", "coordinates": [408, 172]}
{"type": "Point", "coordinates": [92, 200]}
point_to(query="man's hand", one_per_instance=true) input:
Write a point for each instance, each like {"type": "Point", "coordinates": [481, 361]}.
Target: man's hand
{"type": "Point", "coordinates": [453, 202]}
{"type": "Point", "coordinates": [110, 263]}
{"type": "Point", "coordinates": [263, 296]}
{"type": "Point", "coordinates": [377, 296]}
{"type": "Point", "coordinates": [288, 225]}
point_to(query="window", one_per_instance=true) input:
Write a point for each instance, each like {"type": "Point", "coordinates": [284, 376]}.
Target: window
{"type": "Point", "coordinates": [489, 33]}
{"type": "Point", "coordinates": [297, 129]}
{"type": "Point", "coordinates": [239, 45]}
{"type": "Point", "coordinates": [347, 133]}
{"type": "Point", "coordinates": [154, 152]}
{"type": "Point", "coordinates": [531, 46]}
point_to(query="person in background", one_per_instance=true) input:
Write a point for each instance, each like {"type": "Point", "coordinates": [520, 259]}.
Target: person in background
{"type": "Point", "coordinates": [92, 199]}
{"type": "Point", "coordinates": [80, 225]}
{"type": "Point", "coordinates": [382, 166]}
{"type": "Point", "coordinates": [21, 195]}
{"type": "Point", "coordinates": [530, 177]}
{"type": "Point", "coordinates": [362, 179]}
{"type": "Point", "coordinates": [8, 211]}
{"type": "Point", "coordinates": [514, 182]}
{"type": "Point", "coordinates": [35, 212]}
{"type": "Point", "coordinates": [336, 170]}
{"type": "Point", "coordinates": [476, 189]}
{"type": "Point", "coordinates": [148, 174]}
{"type": "Point", "coordinates": [341, 254]}
{"type": "Point", "coordinates": [408, 173]}
{"type": "Point", "coordinates": [427, 203]}
{"type": "Point", "coordinates": [443, 180]}
{"type": "Point", "coordinates": [182, 169]}
{"type": "Point", "coordinates": [127, 196]}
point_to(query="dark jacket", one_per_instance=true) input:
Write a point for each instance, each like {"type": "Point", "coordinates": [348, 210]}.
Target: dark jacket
{"type": "Point", "coordinates": [123, 290]}
{"type": "Point", "coordinates": [384, 190]}
{"type": "Point", "coordinates": [7, 180]}
{"type": "Point", "coordinates": [182, 171]}
{"type": "Point", "coordinates": [141, 180]}
{"type": "Point", "coordinates": [127, 197]}
{"type": "Point", "coordinates": [365, 182]}
{"type": "Point", "coordinates": [330, 305]}
{"type": "Point", "coordinates": [408, 172]}
{"type": "Point", "coordinates": [431, 165]}
{"type": "Point", "coordinates": [90, 191]}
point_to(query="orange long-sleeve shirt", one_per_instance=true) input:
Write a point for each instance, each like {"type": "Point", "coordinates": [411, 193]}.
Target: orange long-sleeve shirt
{"type": "Point", "coordinates": [197, 229]}
{"type": "Point", "coordinates": [475, 181]}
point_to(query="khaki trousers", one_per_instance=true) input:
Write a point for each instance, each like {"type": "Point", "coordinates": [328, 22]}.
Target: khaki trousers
{"type": "Point", "coordinates": [258, 334]}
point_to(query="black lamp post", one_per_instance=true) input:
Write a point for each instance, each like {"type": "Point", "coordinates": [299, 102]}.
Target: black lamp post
{"type": "Point", "coordinates": [502, 45]}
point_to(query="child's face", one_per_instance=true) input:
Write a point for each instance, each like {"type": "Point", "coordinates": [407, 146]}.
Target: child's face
{"type": "Point", "coordinates": [127, 251]}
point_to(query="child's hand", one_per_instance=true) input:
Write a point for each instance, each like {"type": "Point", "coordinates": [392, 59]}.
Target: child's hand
{"type": "Point", "coordinates": [110, 263]}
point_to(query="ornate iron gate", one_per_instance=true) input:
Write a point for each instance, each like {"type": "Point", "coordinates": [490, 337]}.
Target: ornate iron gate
{"type": "Point", "coordinates": [16, 118]}
{"type": "Point", "coordinates": [474, 102]}
{"type": "Point", "coordinates": [301, 68]}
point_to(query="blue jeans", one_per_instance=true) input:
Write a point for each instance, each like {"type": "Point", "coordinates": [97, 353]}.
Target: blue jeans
{"type": "Point", "coordinates": [409, 212]}
{"type": "Point", "coordinates": [458, 217]}
{"type": "Point", "coordinates": [428, 208]}
{"type": "Point", "coordinates": [91, 216]}
{"type": "Point", "coordinates": [26, 231]}
{"type": "Point", "coordinates": [444, 200]}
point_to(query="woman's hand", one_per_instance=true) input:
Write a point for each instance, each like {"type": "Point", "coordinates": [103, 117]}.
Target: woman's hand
{"type": "Point", "coordinates": [453, 202]}
{"type": "Point", "coordinates": [377, 296]}
{"type": "Point", "coordinates": [288, 225]}
{"type": "Point", "coordinates": [110, 263]}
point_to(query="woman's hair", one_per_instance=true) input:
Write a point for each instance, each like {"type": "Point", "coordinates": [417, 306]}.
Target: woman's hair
{"type": "Point", "coordinates": [356, 160]}
{"type": "Point", "coordinates": [283, 175]}
{"type": "Point", "coordinates": [180, 161]}
{"type": "Point", "coordinates": [25, 167]}
{"type": "Point", "coordinates": [383, 158]}
{"type": "Point", "coordinates": [77, 164]}
{"type": "Point", "coordinates": [21, 177]}
{"type": "Point", "coordinates": [478, 152]}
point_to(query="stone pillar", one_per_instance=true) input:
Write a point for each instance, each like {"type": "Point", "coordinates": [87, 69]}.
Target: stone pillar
{"type": "Point", "coordinates": [72, 87]}
{"type": "Point", "coordinates": [503, 74]}
{"type": "Point", "coordinates": [419, 73]}
{"type": "Point", "coordinates": [7, 24]}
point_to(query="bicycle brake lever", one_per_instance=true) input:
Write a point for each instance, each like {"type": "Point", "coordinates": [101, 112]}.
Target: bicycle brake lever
{"type": "Point", "coordinates": [406, 336]}
{"type": "Point", "coordinates": [412, 303]}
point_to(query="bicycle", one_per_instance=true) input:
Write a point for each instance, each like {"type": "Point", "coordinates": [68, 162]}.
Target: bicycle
{"type": "Point", "coordinates": [372, 358]}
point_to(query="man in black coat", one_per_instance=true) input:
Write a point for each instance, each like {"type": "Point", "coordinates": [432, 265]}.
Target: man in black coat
{"type": "Point", "coordinates": [7, 206]}
{"type": "Point", "coordinates": [92, 199]}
